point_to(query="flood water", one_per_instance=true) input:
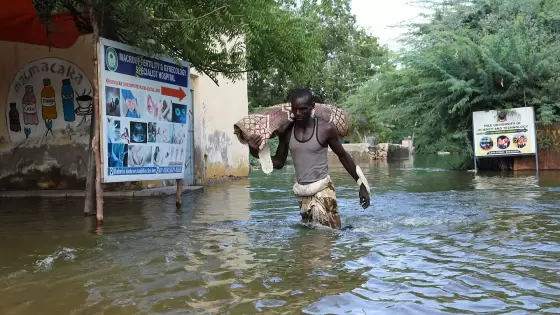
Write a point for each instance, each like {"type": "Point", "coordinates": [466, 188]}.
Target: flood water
{"type": "Point", "coordinates": [435, 241]}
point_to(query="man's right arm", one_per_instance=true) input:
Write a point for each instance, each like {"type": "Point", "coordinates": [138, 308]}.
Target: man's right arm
{"type": "Point", "coordinates": [279, 159]}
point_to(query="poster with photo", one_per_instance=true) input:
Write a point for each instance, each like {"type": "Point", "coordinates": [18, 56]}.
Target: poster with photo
{"type": "Point", "coordinates": [144, 113]}
{"type": "Point", "coordinates": [505, 133]}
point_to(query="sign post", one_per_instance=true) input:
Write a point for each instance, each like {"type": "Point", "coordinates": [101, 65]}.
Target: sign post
{"type": "Point", "coordinates": [475, 158]}
{"type": "Point", "coordinates": [510, 132]}
{"type": "Point", "coordinates": [144, 114]}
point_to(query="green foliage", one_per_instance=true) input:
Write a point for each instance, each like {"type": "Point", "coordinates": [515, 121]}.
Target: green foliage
{"type": "Point", "coordinates": [217, 37]}
{"type": "Point", "coordinates": [341, 56]}
{"type": "Point", "coordinates": [367, 122]}
{"type": "Point", "coordinates": [471, 56]}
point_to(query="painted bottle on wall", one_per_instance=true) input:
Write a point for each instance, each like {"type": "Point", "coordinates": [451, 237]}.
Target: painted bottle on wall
{"type": "Point", "coordinates": [15, 124]}
{"type": "Point", "coordinates": [48, 101]}
{"type": "Point", "coordinates": [68, 100]}
{"type": "Point", "coordinates": [29, 104]}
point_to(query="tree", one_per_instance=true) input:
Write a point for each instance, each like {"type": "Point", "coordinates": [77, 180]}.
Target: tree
{"type": "Point", "coordinates": [471, 56]}
{"type": "Point", "coordinates": [212, 35]}
{"type": "Point", "coordinates": [347, 56]}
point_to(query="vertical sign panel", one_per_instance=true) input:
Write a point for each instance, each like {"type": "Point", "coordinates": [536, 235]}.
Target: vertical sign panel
{"type": "Point", "coordinates": [144, 114]}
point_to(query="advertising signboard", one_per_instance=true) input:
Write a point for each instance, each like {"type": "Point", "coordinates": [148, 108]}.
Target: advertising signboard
{"type": "Point", "coordinates": [144, 114]}
{"type": "Point", "coordinates": [504, 133]}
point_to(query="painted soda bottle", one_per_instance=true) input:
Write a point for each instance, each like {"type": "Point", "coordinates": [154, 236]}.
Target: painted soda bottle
{"type": "Point", "coordinates": [68, 100]}
{"type": "Point", "coordinates": [15, 125]}
{"type": "Point", "coordinates": [29, 104]}
{"type": "Point", "coordinates": [48, 101]}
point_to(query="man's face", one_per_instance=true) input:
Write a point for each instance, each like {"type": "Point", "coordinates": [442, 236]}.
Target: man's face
{"type": "Point", "coordinates": [301, 112]}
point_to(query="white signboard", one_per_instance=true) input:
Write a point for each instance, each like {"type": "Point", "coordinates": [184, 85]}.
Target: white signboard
{"type": "Point", "coordinates": [505, 133]}
{"type": "Point", "coordinates": [144, 114]}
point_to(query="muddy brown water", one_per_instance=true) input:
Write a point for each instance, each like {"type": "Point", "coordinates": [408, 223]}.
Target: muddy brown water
{"type": "Point", "coordinates": [435, 241]}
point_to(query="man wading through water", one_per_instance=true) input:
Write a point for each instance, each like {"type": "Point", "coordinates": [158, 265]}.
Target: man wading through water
{"type": "Point", "coordinates": [308, 140]}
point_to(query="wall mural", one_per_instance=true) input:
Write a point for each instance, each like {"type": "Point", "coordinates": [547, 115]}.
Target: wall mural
{"type": "Point", "coordinates": [49, 100]}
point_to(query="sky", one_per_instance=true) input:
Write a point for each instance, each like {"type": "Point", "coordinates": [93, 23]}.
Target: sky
{"type": "Point", "coordinates": [379, 15]}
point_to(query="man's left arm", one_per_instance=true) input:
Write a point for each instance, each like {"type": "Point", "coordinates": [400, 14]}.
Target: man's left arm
{"type": "Point", "coordinates": [348, 163]}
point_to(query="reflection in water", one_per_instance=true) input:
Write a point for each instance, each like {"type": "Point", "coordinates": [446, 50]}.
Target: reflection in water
{"type": "Point", "coordinates": [220, 243]}
{"type": "Point", "coordinates": [504, 182]}
{"type": "Point", "coordinates": [434, 241]}
{"type": "Point", "coordinates": [503, 187]}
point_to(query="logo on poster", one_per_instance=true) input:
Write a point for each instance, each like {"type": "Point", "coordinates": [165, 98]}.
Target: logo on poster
{"type": "Point", "coordinates": [111, 59]}
{"type": "Point", "coordinates": [501, 116]}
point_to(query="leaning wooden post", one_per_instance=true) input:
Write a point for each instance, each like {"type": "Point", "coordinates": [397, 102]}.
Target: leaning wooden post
{"type": "Point", "coordinates": [96, 111]}
{"type": "Point", "coordinates": [179, 197]}
{"type": "Point", "coordinates": [89, 203]}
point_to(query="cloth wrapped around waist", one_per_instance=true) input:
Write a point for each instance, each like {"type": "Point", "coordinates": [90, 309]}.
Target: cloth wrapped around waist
{"type": "Point", "coordinates": [318, 203]}
{"type": "Point", "coordinates": [312, 189]}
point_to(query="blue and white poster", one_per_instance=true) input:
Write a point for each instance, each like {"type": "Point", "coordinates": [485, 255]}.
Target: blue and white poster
{"type": "Point", "coordinates": [143, 101]}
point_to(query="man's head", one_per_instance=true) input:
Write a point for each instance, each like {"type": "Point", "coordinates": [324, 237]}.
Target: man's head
{"type": "Point", "coordinates": [303, 103]}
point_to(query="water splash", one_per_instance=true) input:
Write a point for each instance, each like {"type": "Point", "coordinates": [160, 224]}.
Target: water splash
{"type": "Point", "coordinates": [47, 263]}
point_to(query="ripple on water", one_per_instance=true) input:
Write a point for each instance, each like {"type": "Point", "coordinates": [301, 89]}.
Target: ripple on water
{"type": "Point", "coordinates": [263, 304]}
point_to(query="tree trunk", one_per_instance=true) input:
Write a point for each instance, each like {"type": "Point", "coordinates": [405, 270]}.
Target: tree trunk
{"type": "Point", "coordinates": [96, 112]}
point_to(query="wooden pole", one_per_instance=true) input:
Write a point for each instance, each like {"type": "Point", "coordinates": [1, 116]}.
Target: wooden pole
{"type": "Point", "coordinates": [96, 128]}
{"type": "Point", "coordinates": [98, 188]}
{"type": "Point", "coordinates": [89, 204]}
{"type": "Point", "coordinates": [179, 197]}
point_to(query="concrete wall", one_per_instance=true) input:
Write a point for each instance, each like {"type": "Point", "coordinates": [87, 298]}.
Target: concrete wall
{"type": "Point", "coordinates": [360, 153]}
{"type": "Point", "coordinates": [218, 153]}
{"type": "Point", "coordinates": [52, 153]}
{"type": "Point", "coordinates": [366, 153]}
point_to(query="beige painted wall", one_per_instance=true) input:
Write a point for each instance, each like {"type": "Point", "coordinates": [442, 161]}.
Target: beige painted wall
{"type": "Point", "coordinates": [218, 153]}
{"type": "Point", "coordinates": [59, 161]}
